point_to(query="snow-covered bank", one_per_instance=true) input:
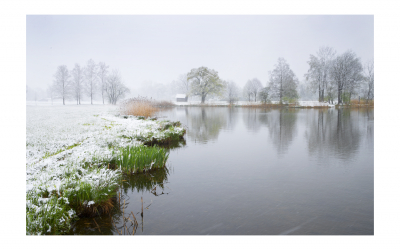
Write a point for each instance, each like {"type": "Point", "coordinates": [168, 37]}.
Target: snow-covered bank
{"type": "Point", "coordinates": [65, 149]}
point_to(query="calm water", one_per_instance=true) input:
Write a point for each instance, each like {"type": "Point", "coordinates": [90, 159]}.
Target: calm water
{"type": "Point", "coordinates": [257, 172]}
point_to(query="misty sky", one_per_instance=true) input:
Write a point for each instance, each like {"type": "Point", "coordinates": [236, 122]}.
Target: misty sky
{"type": "Point", "coordinates": [160, 48]}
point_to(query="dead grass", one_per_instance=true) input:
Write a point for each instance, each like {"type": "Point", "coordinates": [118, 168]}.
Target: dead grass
{"type": "Point", "coordinates": [362, 102]}
{"type": "Point", "coordinates": [143, 106]}
{"type": "Point", "coordinates": [139, 106]}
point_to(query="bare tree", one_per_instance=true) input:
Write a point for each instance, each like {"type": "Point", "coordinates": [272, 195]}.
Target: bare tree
{"type": "Point", "coordinates": [369, 77]}
{"type": "Point", "coordinates": [254, 87]}
{"type": "Point", "coordinates": [346, 72]}
{"type": "Point", "coordinates": [115, 89]}
{"type": "Point", "coordinates": [78, 78]}
{"type": "Point", "coordinates": [61, 83]}
{"type": "Point", "coordinates": [247, 90]}
{"type": "Point", "coordinates": [318, 73]}
{"type": "Point", "coordinates": [204, 81]}
{"type": "Point", "coordinates": [283, 82]}
{"type": "Point", "coordinates": [91, 80]}
{"type": "Point", "coordinates": [231, 92]}
{"type": "Point", "coordinates": [102, 74]}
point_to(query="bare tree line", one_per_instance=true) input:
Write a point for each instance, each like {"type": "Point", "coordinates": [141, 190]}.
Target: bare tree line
{"type": "Point", "coordinates": [91, 80]}
{"type": "Point", "coordinates": [332, 76]}
{"type": "Point", "coordinates": [341, 74]}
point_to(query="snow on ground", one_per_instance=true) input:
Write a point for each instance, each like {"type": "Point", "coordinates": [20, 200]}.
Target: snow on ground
{"type": "Point", "coordinates": [60, 140]}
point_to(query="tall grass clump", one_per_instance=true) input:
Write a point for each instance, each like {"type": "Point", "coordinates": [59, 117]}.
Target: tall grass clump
{"type": "Point", "coordinates": [139, 106]}
{"type": "Point", "coordinates": [143, 107]}
{"type": "Point", "coordinates": [141, 158]}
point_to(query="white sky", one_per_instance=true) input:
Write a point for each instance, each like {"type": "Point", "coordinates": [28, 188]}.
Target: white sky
{"type": "Point", "coordinates": [160, 48]}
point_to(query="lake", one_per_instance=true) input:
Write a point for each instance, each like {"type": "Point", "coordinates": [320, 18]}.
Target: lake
{"type": "Point", "coordinates": [253, 171]}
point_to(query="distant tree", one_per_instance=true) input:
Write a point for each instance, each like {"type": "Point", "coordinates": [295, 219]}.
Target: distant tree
{"type": "Point", "coordinates": [318, 73]}
{"type": "Point", "coordinates": [102, 74]}
{"type": "Point", "coordinates": [91, 80]}
{"type": "Point", "coordinates": [283, 82]}
{"type": "Point", "coordinates": [264, 92]}
{"type": "Point", "coordinates": [369, 79]}
{"type": "Point", "coordinates": [247, 90]}
{"type": "Point", "coordinates": [115, 89]}
{"type": "Point", "coordinates": [253, 86]}
{"type": "Point", "coordinates": [346, 73]}
{"type": "Point", "coordinates": [78, 79]}
{"type": "Point", "coordinates": [61, 83]}
{"type": "Point", "coordinates": [231, 92]}
{"type": "Point", "coordinates": [204, 81]}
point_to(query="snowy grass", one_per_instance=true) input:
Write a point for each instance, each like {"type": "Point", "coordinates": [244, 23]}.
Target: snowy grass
{"type": "Point", "coordinates": [68, 149]}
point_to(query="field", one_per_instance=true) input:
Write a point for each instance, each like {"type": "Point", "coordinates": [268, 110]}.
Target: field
{"type": "Point", "coordinates": [68, 154]}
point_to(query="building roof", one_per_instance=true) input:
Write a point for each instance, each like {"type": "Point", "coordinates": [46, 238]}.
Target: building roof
{"type": "Point", "coordinates": [180, 96]}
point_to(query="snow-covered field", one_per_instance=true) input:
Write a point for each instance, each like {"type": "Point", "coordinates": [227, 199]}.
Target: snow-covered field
{"type": "Point", "coordinates": [60, 140]}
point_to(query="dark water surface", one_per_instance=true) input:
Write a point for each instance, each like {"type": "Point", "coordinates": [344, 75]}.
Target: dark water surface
{"type": "Point", "coordinates": [257, 172]}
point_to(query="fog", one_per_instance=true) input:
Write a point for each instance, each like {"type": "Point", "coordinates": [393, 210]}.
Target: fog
{"type": "Point", "coordinates": [151, 52]}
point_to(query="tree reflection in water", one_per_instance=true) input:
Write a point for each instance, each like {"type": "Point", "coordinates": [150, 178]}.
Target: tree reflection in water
{"type": "Point", "coordinates": [205, 123]}
{"type": "Point", "coordinates": [339, 131]}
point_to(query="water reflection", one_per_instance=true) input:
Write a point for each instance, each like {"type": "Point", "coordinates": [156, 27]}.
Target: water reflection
{"type": "Point", "coordinates": [205, 123]}
{"type": "Point", "coordinates": [255, 118]}
{"type": "Point", "coordinates": [152, 181]}
{"type": "Point", "coordinates": [337, 132]}
{"type": "Point", "coordinates": [282, 128]}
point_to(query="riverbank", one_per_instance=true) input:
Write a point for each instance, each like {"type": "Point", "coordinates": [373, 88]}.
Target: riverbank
{"type": "Point", "coordinates": [68, 154]}
{"type": "Point", "coordinates": [273, 104]}
{"type": "Point", "coordinates": [276, 104]}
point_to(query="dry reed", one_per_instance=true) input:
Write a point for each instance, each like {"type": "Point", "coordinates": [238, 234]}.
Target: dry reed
{"type": "Point", "coordinates": [143, 106]}
{"type": "Point", "coordinates": [362, 102]}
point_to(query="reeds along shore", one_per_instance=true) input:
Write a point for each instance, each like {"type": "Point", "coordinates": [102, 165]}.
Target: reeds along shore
{"type": "Point", "coordinates": [143, 106]}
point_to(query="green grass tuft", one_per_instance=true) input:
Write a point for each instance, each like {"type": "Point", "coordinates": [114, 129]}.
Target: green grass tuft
{"type": "Point", "coordinates": [141, 158]}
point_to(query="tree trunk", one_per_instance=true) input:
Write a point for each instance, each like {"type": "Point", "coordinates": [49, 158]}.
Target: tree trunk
{"type": "Point", "coordinates": [203, 98]}
{"type": "Point", "coordinates": [322, 97]}
{"type": "Point", "coordinates": [319, 93]}
{"type": "Point", "coordinates": [339, 96]}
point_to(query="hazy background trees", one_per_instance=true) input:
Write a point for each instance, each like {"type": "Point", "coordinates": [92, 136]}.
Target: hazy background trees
{"type": "Point", "coordinates": [62, 85]}
{"type": "Point", "coordinates": [231, 92]}
{"type": "Point", "coordinates": [205, 81]}
{"type": "Point", "coordinates": [283, 82]}
{"type": "Point", "coordinates": [182, 85]}
{"type": "Point", "coordinates": [252, 88]}
{"type": "Point", "coordinates": [102, 75]}
{"type": "Point", "coordinates": [247, 93]}
{"type": "Point", "coordinates": [114, 88]}
{"type": "Point", "coordinates": [77, 82]}
{"type": "Point", "coordinates": [330, 77]}
{"type": "Point", "coordinates": [91, 79]}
